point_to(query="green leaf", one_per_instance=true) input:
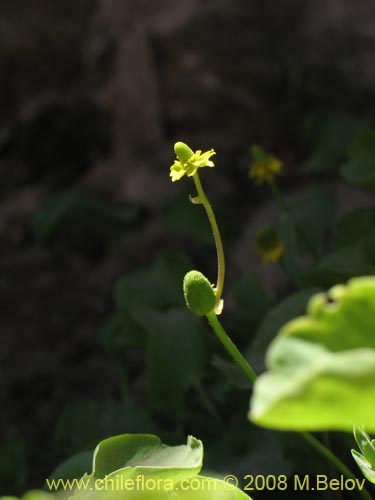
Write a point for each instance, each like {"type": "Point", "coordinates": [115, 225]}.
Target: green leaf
{"type": "Point", "coordinates": [74, 467]}
{"type": "Point", "coordinates": [251, 296]}
{"type": "Point", "coordinates": [143, 457]}
{"type": "Point", "coordinates": [175, 356]}
{"type": "Point", "coordinates": [144, 453]}
{"type": "Point", "coordinates": [13, 464]}
{"type": "Point", "coordinates": [310, 388]}
{"type": "Point", "coordinates": [365, 444]}
{"type": "Point", "coordinates": [160, 286]}
{"type": "Point", "coordinates": [330, 136]}
{"type": "Point", "coordinates": [367, 470]}
{"type": "Point", "coordinates": [207, 488]}
{"type": "Point", "coordinates": [343, 318]}
{"type": "Point", "coordinates": [322, 367]}
{"type": "Point", "coordinates": [360, 169]}
{"type": "Point", "coordinates": [313, 210]}
{"type": "Point", "coordinates": [344, 263]}
{"type": "Point", "coordinates": [352, 226]}
{"type": "Point", "coordinates": [121, 331]}
{"type": "Point", "coordinates": [187, 219]}
{"type": "Point", "coordinates": [74, 209]}
{"type": "Point", "coordinates": [82, 424]}
{"type": "Point", "coordinates": [231, 371]}
{"type": "Point", "coordinates": [289, 238]}
{"type": "Point", "coordinates": [290, 307]}
{"type": "Point", "coordinates": [366, 460]}
{"type": "Point", "coordinates": [32, 495]}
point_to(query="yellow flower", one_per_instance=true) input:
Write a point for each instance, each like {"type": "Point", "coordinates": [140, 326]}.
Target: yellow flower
{"type": "Point", "coordinates": [264, 166]}
{"type": "Point", "coordinates": [188, 162]}
{"type": "Point", "coordinates": [269, 245]}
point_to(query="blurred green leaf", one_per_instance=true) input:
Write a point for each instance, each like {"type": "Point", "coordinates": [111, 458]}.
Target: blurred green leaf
{"type": "Point", "coordinates": [121, 331]}
{"type": "Point", "coordinates": [32, 495]}
{"type": "Point", "coordinates": [160, 286]}
{"type": "Point", "coordinates": [360, 168]}
{"type": "Point", "coordinates": [288, 308]}
{"type": "Point", "coordinates": [74, 467]}
{"type": "Point", "coordinates": [13, 464]}
{"type": "Point", "coordinates": [232, 373]}
{"type": "Point", "coordinates": [187, 219]}
{"type": "Point", "coordinates": [340, 265]}
{"type": "Point", "coordinates": [290, 259]}
{"type": "Point", "coordinates": [327, 355]}
{"type": "Point", "coordinates": [81, 425]}
{"type": "Point", "coordinates": [303, 376]}
{"type": "Point", "coordinates": [330, 136]}
{"type": "Point", "coordinates": [353, 226]}
{"type": "Point", "coordinates": [344, 308]}
{"type": "Point", "coordinates": [313, 210]}
{"type": "Point", "coordinates": [75, 210]}
{"type": "Point", "coordinates": [175, 356]}
{"type": "Point", "coordinates": [251, 296]}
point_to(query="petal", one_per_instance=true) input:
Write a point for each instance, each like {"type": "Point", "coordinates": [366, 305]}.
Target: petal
{"type": "Point", "coordinates": [177, 171]}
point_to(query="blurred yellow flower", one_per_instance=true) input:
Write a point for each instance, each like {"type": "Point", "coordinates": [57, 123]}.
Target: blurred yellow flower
{"type": "Point", "coordinates": [264, 166]}
{"type": "Point", "coordinates": [269, 245]}
{"type": "Point", "coordinates": [188, 162]}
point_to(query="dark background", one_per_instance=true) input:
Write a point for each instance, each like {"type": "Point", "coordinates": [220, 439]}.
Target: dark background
{"type": "Point", "coordinates": [93, 94]}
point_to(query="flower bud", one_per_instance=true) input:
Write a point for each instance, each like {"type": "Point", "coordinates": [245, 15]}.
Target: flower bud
{"type": "Point", "coordinates": [199, 294]}
{"type": "Point", "coordinates": [183, 152]}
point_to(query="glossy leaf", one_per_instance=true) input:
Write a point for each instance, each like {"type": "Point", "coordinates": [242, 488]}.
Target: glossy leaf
{"type": "Point", "coordinates": [367, 470]}
{"type": "Point", "coordinates": [366, 445]}
{"type": "Point", "coordinates": [145, 453]}
{"type": "Point", "coordinates": [366, 459]}
{"type": "Point", "coordinates": [143, 457]}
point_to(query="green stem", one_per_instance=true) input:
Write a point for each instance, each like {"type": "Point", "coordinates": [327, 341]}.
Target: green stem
{"type": "Point", "coordinates": [219, 245]}
{"type": "Point", "coordinates": [284, 207]}
{"type": "Point", "coordinates": [331, 457]}
{"type": "Point", "coordinates": [230, 347]}
{"type": "Point", "coordinates": [251, 375]}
